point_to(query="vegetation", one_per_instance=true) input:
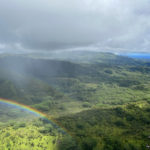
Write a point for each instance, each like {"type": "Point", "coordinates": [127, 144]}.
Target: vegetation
{"type": "Point", "coordinates": [24, 136]}
{"type": "Point", "coordinates": [123, 128]}
{"type": "Point", "coordinates": [101, 99]}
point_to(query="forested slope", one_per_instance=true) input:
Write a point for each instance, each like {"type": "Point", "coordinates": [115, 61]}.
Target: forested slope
{"type": "Point", "coordinates": [101, 99]}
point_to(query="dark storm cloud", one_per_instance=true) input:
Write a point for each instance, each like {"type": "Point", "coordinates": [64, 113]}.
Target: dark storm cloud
{"type": "Point", "coordinates": [105, 25]}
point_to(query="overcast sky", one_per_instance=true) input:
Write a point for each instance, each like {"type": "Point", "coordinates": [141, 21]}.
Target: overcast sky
{"type": "Point", "coordinates": [50, 25]}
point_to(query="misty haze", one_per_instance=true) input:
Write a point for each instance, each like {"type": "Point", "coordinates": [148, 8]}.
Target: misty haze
{"type": "Point", "coordinates": [74, 75]}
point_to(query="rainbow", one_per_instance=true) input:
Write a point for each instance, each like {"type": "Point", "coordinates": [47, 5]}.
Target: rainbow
{"type": "Point", "coordinates": [34, 111]}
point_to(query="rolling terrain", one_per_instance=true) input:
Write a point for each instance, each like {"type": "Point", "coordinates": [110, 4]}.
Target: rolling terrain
{"type": "Point", "coordinates": [101, 99]}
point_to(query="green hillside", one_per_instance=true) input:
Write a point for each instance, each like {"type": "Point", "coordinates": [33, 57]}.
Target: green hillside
{"type": "Point", "coordinates": [101, 99]}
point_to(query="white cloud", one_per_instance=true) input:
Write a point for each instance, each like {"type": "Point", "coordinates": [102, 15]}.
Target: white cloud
{"type": "Point", "coordinates": [106, 25]}
{"type": "Point", "coordinates": [2, 46]}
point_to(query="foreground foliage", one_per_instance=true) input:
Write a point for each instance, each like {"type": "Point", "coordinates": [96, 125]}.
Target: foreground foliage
{"type": "Point", "coordinates": [120, 128]}
{"type": "Point", "coordinates": [23, 136]}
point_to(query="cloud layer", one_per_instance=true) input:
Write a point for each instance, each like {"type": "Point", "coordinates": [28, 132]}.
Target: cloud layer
{"type": "Point", "coordinates": [102, 25]}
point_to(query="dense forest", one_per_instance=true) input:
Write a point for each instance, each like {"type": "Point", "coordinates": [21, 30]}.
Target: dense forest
{"type": "Point", "coordinates": [102, 101]}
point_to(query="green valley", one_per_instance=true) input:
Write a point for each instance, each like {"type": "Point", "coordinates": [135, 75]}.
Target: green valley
{"type": "Point", "coordinates": [101, 99]}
